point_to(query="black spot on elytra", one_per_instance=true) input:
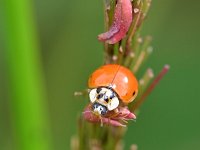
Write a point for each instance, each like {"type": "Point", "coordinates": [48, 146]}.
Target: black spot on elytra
{"type": "Point", "coordinates": [133, 93]}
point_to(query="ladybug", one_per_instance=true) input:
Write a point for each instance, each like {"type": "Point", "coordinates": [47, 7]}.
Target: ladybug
{"type": "Point", "coordinates": [110, 85]}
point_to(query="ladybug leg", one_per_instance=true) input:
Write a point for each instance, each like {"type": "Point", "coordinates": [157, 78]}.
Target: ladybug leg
{"type": "Point", "coordinates": [109, 121]}
{"type": "Point", "coordinates": [82, 93]}
{"type": "Point", "coordinates": [116, 110]}
{"type": "Point", "coordinates": [124, 120]}
{"type": "Point", "coordinates": [115, 114]}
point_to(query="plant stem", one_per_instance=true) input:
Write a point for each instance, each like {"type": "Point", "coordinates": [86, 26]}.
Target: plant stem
{"type": "Point", "coordinates": [150, 88]}
{"type": "Point", "coordinates": [109, 7]}
{"type": "Point", "coordinates": [133, 28]}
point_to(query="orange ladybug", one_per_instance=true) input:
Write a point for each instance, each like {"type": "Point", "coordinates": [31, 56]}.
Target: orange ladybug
{"type": "Point", "coordinates": [109, 85]}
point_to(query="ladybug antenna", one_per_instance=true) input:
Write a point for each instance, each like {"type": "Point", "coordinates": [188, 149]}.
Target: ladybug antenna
{"type": "Point", "coordinates": [114, 76]}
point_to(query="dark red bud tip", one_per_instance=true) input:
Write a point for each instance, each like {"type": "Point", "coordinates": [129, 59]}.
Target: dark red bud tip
{"type": "Point", "coordinates": [121, 23]}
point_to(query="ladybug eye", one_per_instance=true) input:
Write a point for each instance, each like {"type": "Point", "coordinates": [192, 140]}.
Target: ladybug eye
{"type": "Point", "coordinates": [94, 105]}
{"type": "Point", "coordinates": [103, 113]}
{"type": "Point", "coordinates": [103, 110]}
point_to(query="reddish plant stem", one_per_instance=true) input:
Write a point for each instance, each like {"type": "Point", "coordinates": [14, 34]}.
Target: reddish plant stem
{"type": "Point", "coordinates": [150, 88]}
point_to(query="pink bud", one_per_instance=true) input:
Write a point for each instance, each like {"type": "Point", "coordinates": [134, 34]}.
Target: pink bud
{"type": "Point", "coordinates": [131, 116]}
{"type": "Point", "coordinates": [121, 23]}
{"type": "Point", "coordinates": [114, 119]}
{"type": "Point", "coordinates": [89, 116]}
{"type": "Point", "coordinates": [125, 113]}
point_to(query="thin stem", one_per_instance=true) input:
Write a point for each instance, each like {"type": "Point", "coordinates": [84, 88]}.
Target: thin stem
{"type": "Point", "coordinates": [109, 7]}
{"type": "Point", "coordinates": [145, 43]}
{"type": "Point", "coordinates": [145, 80]}
{"type": "Point", "coordinates": [134, 26]}
{"type": "Point", "coordinates": [150, 88]}
{"type": "Point", "coordinates": [141, 54]}
{"type": "Point", "coordinates": [128, 59]}
{"type": "Point", "coordinates": [145, 9]}
{"type": "Point", "coordinates": [120, 55]}
{"type": "Point", "coordinates": [140, 10]}
{"type": "Point", "coordinates": [142, 58]}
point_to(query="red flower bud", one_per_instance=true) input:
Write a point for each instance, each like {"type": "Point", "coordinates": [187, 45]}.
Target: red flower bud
{"type": "Point", "coordinates": [121, 23]}
{"type": "Point", "coordinates": [114, 119]}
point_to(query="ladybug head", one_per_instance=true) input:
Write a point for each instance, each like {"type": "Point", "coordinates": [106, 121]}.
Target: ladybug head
{"type": "Point", "coordinates": [99, 109]}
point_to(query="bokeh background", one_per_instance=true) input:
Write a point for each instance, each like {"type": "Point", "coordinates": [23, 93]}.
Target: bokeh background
{"type": "Point", "coordinates": [69, 51]}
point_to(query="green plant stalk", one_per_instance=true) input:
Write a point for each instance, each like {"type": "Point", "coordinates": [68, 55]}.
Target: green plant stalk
{"type": "Point", "coordinates": [146, 43]}
{"type": "Point", "coordinates": [141, 54]}
{"type": "Point", "coordinates": [128, 59]}
{"type": "Point", "coordinates": [141, 59]}
{"type": "Point", "coordinates": [134, 26]}
{"type": "Point", "coordinates": [109, 8]}
{"type": "Point", "coordinates": [26, 79]}
{"type": "Point", "coordinates": [120, 55]}
{"type": "Point", "coordinates": [145, 8]}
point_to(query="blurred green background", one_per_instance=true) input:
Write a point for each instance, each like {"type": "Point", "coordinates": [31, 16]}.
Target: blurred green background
{"type": "Point", "coordinates": [66, 33]}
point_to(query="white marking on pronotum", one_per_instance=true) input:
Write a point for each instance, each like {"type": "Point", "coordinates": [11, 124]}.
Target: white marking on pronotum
{"type": "Point", "coordinates": [92, 95]}
{"type": "Point", "coordinates": [113, 103]}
